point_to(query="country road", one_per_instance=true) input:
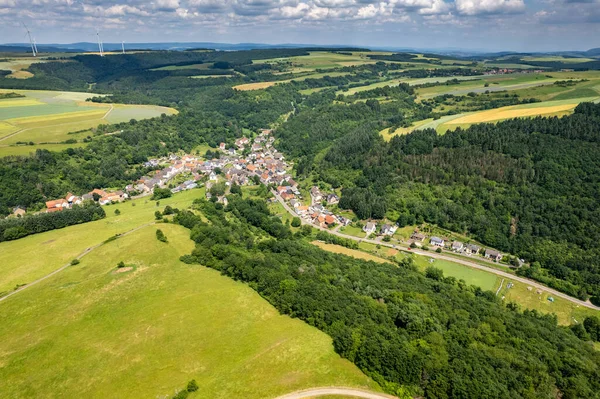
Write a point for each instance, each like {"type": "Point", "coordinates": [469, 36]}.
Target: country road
{"type": "Point", "coordinates": [335, 391]}
{"type": "Point", "coordinates": [81, 255]}
{"type": "Point", "coordinates": [435, 255]}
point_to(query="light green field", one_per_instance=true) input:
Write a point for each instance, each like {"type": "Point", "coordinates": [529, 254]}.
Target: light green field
{"type": "Point", "coordinates": [49, 117]}
{"type": "Point", "coordinates": [179, 67]}
{"type": "Point", "coordinates": [90, 332]}
{"type": "Point", "coordinates": [558, 58]}
{"type": "Point", "coordinates": [566, 311]}
{"type": "Point", "coordinates": [29, 258]}
{"type": "Point", "coordinates": [396, 82]}
{"type": "Point", "coordinates": [321, 60]}
{"type": "Point", "coordinates": [18, 66]}
{"type": "Point", "coordinates": [387, 135]}
{"type": "Point", "coordinates": [480, 278]}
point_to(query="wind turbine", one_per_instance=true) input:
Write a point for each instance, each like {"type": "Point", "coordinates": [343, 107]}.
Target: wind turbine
{"type": "Point", "coordinates": [100, 48]}
{"type": "Point", "coordinates": [123, 46]}
{"type": "Point", "coordinates": [33, 46]}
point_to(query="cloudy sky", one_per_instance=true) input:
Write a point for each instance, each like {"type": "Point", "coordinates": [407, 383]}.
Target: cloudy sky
{"type": "Point", "coordinates": [520, 25]}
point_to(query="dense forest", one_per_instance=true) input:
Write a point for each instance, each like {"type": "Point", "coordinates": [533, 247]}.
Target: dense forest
{"type": "Point", "coordinates": [417, 335]}
{"type": "Point", "coordinates": [526, 186]}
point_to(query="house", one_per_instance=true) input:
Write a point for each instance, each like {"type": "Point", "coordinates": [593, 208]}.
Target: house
{"type": "Point", "coordinates": [302, 210]}
{"type": "Point", "coordinates": [493, 254]}
{"type": "Point", "coordinates": [471, 249]}
{"type": "Point", "coordinates": [282, 189]}
{"type": "Point", "coordinates": [287, 196]}
{"type": "Point", "coordinates": [295, 203]}
{"type": "Point", "coordinates": [213, 176]}
{"type": "Point", "coordinates": [388, 229]}
{"type": "Point", "coordinates": [329, 220]}
{"type": "Point", "coordinates": [436, 241]}
{"type": "Point", "coordinates": [240, 143]}
{"type": "Point", "coordinates": [315, 193]}
{"type": "Point", "coordinates": [418, 236]}
{"type": "Point", "coordinates": [56, 205]}
{"type": "Point", "coordinates": [18, 212]}
{"type": "Point", "coordinates": [344, 221]}
{"type": "Point", "coordinates": [457, 246]}
{"type": "Point", "coordinates": [370, 228]}
{"type": "Point", "coordinates": [222, 146]}
{"type": "Point", "coordinates": [333, 199]}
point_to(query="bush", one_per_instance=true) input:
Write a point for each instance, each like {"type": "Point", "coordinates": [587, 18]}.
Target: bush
{"type": "Point", "coordinates": [160, 236]}
{"type": "Point", "coordinates": [121, 264]}
{"type": "Point", "coordinates": [75, 262]}
{"type": "Point", "coordinates": [117, 212]}
{"type": "Point", "coordinates": [387, 239]}
{"type": "Point", "coordinates": [296, 222]}
{"type": "Point", "coordinates": [438, 250]}
{"type": "Point", "coordinates": [168, 210]}
{"type": "Point", "coordinates": [192, 386]}
{"type": "Point", "coordinates": [160, 193]}
{"type": "Point", "coordinates": [158, 215]}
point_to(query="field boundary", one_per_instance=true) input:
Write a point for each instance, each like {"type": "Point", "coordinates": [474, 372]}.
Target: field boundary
{"type": "Point", "coordinates": [336, 391]}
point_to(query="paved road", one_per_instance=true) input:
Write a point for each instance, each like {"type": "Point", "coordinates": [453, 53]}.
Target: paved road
{"type": "Point", "coordinates": [81, 255]}
{"type": "Point", "coordinates": [435, 255]}
{"type": "Point", "coordinates": [335, 391]}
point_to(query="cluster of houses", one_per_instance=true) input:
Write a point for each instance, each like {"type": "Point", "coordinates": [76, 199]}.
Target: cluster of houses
{"type": "Point", "coordinates": [316, 213]}
{"type": "Point", "coordinates": [456, 246]}
{"type": "Point", "coordinates": [100, 196]}
{"type": "Point", "coordinates": [385, 230]}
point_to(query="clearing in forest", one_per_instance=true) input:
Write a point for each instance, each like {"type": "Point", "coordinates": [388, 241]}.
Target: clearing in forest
{"type": "Point", "coordinates": [146, 332]}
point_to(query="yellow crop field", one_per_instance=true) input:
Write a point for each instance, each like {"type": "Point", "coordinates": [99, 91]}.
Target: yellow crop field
{"type": "Point", "coordinates": [511, 112]}
{"type": "Point", "coordinates": [19, 102]}
{"type": "Point", "coordinates": [254, 86]}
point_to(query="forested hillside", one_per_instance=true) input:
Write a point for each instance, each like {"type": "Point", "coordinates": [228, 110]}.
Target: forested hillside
{"type": "Point", "coordinates": [527, 186]}
{"type": "Point", "coordinates": [416, 335]}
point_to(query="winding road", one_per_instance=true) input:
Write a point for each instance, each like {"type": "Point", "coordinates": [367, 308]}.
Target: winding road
{"type": "Point", "coordinates": [335, 391]}
{"type": "Point", "coordinates": [436, 255]}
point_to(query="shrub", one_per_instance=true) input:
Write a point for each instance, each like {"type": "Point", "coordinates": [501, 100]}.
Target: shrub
{"type": "Point", "coordinates": [160, 236]}
{"type": "Point", "coordinates": [117, 212]}
{"type": "Point", "coordinates": [438, 250]}
{"type": "Point", "coordinates": [160, 193]}
{"type": "Point", "coordinates": [121, 264]}
{"type": "Point", "coordinates": [192, 386]}
{"type": "Point", "coordinates": [75, 262]}
{"type": "Point", "coordinates": [296, 222]}
{"type": "Point", "coordinates": [158, 215]}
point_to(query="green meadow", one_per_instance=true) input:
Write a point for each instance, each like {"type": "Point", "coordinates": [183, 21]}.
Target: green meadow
{"type": "Point", "coordinates": [144, 331]}
{"type": "Point", "coordinates": [27, 259]}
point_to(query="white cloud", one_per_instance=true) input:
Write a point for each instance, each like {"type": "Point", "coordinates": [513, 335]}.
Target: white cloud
{"type": "Point", "coordinates": [167, 5]}
{"type": "Point", "coordinates": [479, 7]}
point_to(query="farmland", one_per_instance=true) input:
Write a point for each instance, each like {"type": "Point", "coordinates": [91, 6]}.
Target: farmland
{"type": "Point", "coordinates": [148, 330]}
{"type": "Point", "coordinates": [47, 119]}
{"type": "Point", "coordinates": [264, 85]}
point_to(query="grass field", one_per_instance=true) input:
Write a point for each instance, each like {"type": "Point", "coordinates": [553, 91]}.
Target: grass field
{"type": "Point", "coordinates": [396, 82]}
{"type": "Point", "coordinates": [321, 60]}
{"type": "Point", "coordinates": [354, 253]}
{"type": "Point", "coordinates": [92, 332]}
{"type": "Point", "coordinates": [17, 66]}
{"type": "Point", "coordinates": [387, 135]}
{"type": "Point", "coordinates": [32, 257]}
{"type": "Point", "coordinates": [264, 85]}
{"type": "Point", "coordinates": [48, 117]}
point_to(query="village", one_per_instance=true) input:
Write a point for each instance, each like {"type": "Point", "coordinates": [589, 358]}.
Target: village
{"type": "Point", "coordinates": [250, 162]}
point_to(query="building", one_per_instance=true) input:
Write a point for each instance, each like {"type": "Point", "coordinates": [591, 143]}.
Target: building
{"type": "Point", "coordinates": [418, 236]}
{"type": "Point", "coordinates": [471, 249]}
{"type": "Point", "coordinates": [493, 255]}
{"type": "Point", "coordinates": [388, 229]}
{"type": "Point", "coordinates": [457, 246]}
{"type": "Point", "coordinates": [315, 193]}
{"type": "Point", "coordinates": [436, 241]}
{"type": "Point", "coordinates": [333, 199]}
{"type": "Point", "coordinates": [370, 228]}
{"type": "Point", "coordinates": [18, 212]}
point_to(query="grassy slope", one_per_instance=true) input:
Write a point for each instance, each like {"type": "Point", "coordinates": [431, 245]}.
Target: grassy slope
{"type": "Point", "coordinates": [29, 258]}
{"type": "Point", "coordinates": [89, 332]}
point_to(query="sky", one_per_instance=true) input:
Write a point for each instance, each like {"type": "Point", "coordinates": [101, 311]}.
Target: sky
{"type": "Point", "coordinates": [487, 25]}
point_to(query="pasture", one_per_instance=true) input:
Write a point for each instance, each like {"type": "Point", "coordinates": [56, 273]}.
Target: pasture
{"type": "Point", "coordinates": [48, 118]}
{"type": "Point", "coordinates": [354, 253]}
{"type": "Point", "coordinates": [18, 65]}
{"type": "Point", "coordinates": [92, 331]}
{"type": "Point", "coordinates": [27, 259]}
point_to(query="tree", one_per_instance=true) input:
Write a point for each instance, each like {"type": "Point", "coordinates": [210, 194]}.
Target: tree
{"type": "Point", "coordinates": [434, 273]}
{"type": "Point", "coordinates": [121, 264]}
{"type": "Point", "coordinates": [74, 262]}
{"type": "Point", "coordinates": [160, 193]}
{"type": "Point", "coordinates": [160, 236]}
{"type": "Point", "coordinates": [158, 215]}
{"type": "Point", "coordinates": [117, 212]}
{"type": "Point", "coordinates": [296, 222]}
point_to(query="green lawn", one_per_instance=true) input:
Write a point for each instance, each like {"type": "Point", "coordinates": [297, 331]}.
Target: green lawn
{"type": "Point", "coordinates": [32, 257]}
{"type": "Point", "coordinates": [90, 332]}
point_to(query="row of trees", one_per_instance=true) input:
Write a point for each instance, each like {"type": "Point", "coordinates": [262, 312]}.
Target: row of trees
{"type": "Point", "coordinates": [15, 228]}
